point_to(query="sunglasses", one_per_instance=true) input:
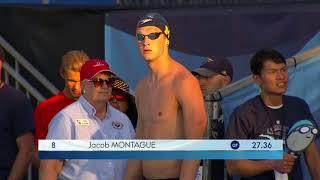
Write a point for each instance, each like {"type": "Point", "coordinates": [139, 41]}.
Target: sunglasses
{"type": "Point", "coordinates": [115, 98]}
{"type": "Point", "coordinates": [98, 83]}
{"type": "Point", "coordinates": [198, 76]}
{"type": "Point", "coordinates": [151, 36]}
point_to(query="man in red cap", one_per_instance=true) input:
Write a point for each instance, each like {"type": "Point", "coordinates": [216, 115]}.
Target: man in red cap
{"type": "Point", "coordinates": [169, 103]}
{"type": "Point", "coordinates": [90, 117]}
{"type": "Point", "coordinates": [214, 74]}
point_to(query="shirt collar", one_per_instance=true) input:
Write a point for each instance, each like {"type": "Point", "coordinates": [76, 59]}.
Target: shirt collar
{"type": "Point", "coordinates": [91, 110]}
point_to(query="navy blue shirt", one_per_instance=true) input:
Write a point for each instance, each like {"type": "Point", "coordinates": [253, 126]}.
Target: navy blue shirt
{"type": "Point", "coordinates": [253, 118]}
{"type": "Point", "coordinates": [16, 118]}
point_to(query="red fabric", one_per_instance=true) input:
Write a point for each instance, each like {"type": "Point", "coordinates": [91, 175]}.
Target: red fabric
{"type": "Point", "coordinates": [92, 67]}
{"type": "Point", "coordinates": [45, 111]}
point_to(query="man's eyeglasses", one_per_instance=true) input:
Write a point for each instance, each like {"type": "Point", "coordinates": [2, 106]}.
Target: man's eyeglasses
{"type": "Point", "coordinates": [98, 83]}
{"type": "Point", "coordinates": [151, 36]}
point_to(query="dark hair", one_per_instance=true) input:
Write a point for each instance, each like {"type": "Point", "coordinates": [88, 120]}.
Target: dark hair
{"type": "Point", "coordinates": [132, 109]}
{"type": "Point", "coordinates": [263, 55]}
{"type": "Point", "coordinates": [1, 54]}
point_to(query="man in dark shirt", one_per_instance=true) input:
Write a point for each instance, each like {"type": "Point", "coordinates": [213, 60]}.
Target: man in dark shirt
{"type": "Point", "coordinates": [214, 74]}
{"type": "Point", "coordinates": [16, 129]}
{"type": "Point", "coordinates": [271, 113]}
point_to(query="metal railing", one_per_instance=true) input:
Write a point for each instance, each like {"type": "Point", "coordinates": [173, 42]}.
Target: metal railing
{"type": "Point", "coordinates": [292, 61]}
{"type": "Point", "coordinates": [19, 80]}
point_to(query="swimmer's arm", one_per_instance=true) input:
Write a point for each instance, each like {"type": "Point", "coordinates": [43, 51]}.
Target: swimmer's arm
{"type": "Point", "coordinates": [134, 167]}
{"type": "Point", "coordinates": [312, 156]}
{"type": "Point", "coordinates": [191, 101]}
{"type": "Point", "coordinates": [134, 170]}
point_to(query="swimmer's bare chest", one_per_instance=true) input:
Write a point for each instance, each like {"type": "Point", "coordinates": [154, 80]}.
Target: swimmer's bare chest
{"type": "Point", "coordinates": [162, 119]}
{"type": "Point", "coordinates": [160, 112]}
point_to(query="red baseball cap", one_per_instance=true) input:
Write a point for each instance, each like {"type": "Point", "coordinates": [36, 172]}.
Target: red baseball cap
{"type": "Point", "coordinates": [93, 67]}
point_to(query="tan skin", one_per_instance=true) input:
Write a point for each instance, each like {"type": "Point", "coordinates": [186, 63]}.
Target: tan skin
{"type": "Point", "coordinates": [98, 98]}
{"type": "Point", "coordinates": [72, 90]}
{"type": "Point", "coordinates": [24, 155]}
{"type": "Point", "coordinates": [72, 84]}
{"type": "Point", "coordinates": [273, 82]}
{"type": "Point", "coordinates": [166, 109]}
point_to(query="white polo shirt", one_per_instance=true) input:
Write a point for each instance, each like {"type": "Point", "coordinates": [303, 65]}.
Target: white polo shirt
{"type": "Point", "coordinates": [68, 124]}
